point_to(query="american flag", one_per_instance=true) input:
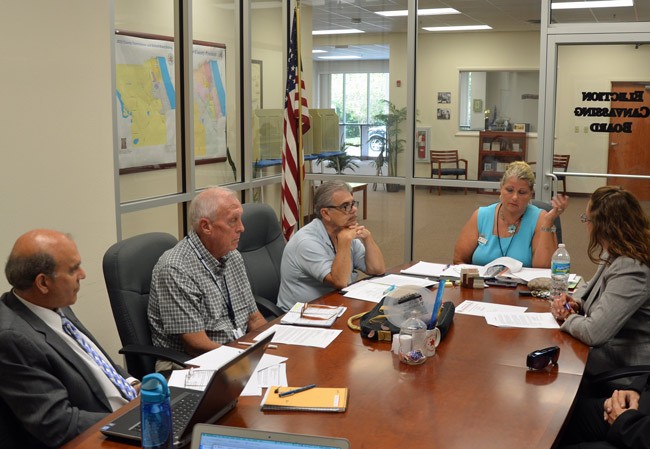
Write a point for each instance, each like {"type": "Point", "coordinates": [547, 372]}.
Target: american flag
{"type": "Point", "coordinates": [295, 107]}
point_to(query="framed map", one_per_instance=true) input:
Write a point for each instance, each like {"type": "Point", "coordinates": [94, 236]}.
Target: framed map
{"type": "Point", "coordinates": [146, 101]}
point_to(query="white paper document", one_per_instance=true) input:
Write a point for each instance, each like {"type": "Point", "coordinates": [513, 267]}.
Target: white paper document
{"type": "Point", "coordinates": [270, 371]}
{"type": "Point", "coordinates": [478, 308]}
{"type": "Point", "coordinates": [426, 269]}
{"type": "Point", "coordinates": [527, 320]}
{"type": "Point", "coordinates": [374, 289]}
{"type": "Point", "coordinates": [216, 358]}
{"type": "Point", "coordinates": [305, 336]}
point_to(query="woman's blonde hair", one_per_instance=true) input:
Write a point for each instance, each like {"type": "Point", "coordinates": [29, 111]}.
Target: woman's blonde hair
{"type": "Point", "coordinates": [519, 170]}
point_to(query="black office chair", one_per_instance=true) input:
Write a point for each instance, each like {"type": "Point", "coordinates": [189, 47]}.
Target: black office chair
{"type": "Point", "coordinates": [558, 224]}
{"type": "Point", "coordinates": [127, 271]}
{"type": "Point", "coordinates": [261, 245]}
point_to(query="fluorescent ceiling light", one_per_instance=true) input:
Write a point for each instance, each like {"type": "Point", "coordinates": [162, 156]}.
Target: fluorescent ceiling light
{"type": "Point", "coordinates": [593, 4]}
{"type": "Point", "coordinates": [339, 57]}
{"type": "Point", "coordinates": [346, 31]}
{"type": "Point", "coordinates": [459, 28]}
{"type": "Point", "coordinates": [421, 12]}
{"type": "Point", "coordinates": [318, 51]}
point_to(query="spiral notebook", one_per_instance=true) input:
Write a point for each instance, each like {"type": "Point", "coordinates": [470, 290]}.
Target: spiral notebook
{"type": "Point", "coordinates": [316, 399]}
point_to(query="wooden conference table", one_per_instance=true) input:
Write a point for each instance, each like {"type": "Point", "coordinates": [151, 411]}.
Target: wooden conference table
{"type": "Point", "coordinates": [476, 392]}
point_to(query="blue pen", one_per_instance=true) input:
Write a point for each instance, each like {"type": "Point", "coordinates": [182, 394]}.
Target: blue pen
{"type": "Point", "coordinates": [296, 390]}
{"type": "Point", "coordinates": [436, 305]}
{"type": "Point", "coordinates": [389, 289]}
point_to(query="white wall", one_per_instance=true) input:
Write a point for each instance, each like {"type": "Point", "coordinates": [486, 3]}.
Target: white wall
{"type": "Point", "coordinates": [56, 139]}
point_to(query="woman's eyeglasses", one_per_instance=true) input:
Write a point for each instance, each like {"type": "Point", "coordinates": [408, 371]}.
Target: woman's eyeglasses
{"type": "Point", "coordinates": [584, 218]}
{"type": "Point", "coordinates": [345, 207]}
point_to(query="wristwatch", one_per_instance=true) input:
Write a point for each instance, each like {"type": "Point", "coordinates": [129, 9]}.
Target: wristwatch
{"type": "Point", "coordinates": [551, 229]}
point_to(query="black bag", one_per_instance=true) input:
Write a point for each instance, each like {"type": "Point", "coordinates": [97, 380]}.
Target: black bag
{"type": "Point", "coordinates": [374, 325]}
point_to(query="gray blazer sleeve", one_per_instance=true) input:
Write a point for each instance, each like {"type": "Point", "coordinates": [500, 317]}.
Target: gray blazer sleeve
{"type": "Point", "coordinates": [620, 293]}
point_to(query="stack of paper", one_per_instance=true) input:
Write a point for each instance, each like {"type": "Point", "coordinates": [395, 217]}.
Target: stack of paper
{"type": "Point", "coordinates": [374, 289]}
{"type": "Point", "coordinates": [318, 315]}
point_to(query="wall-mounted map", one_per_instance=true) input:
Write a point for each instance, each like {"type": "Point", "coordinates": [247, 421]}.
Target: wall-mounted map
{"type": "Point", "coordinates": [146, 100]}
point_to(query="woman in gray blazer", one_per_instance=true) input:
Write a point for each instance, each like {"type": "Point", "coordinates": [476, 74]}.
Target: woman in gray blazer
{"type": "Point", "coordinates": [612, 312]}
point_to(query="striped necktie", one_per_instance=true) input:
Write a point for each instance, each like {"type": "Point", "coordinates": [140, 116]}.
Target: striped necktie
{"type": "Point", "coordinates": [127, 390]}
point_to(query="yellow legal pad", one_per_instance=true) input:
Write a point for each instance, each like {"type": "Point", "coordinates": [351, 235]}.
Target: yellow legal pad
{"type": "Point", "coordinates": [315, 399]}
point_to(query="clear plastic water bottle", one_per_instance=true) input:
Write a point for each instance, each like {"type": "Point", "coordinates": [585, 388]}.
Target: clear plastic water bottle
{"type": "Point", "coordinates": [560, 268]}
{"type": "Point", "coordinates": [156, 413]}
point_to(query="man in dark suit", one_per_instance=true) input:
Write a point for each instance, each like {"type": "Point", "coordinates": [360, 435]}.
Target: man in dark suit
{"type": "Point", "coordinates": [55, 379]}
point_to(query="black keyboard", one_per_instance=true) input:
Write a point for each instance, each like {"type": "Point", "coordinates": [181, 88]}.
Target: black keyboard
{"type": "Point", "coordinates": [182, 409]}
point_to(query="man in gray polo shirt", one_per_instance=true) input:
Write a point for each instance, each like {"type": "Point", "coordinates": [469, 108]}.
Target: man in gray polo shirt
{"type": "Point", "coordinates": [324, 254]}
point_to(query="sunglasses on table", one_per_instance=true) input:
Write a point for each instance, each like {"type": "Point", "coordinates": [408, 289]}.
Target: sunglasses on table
{"type": "Point", "coordinates": [540, 359]}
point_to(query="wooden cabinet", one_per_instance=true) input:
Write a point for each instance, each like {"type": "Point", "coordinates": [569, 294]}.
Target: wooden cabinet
{"type": "Point", "coordinates": [496, 149]}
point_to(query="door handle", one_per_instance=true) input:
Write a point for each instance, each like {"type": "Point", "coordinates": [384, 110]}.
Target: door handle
{"type": "Point", "coordinates": [613, 144]}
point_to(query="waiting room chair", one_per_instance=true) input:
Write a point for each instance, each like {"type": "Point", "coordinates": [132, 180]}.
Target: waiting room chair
{"type": "Point", "coordinates": [127, 271]}
{"type": "Point", "coordinates": [261, 245]}
{"type": "Point", "coordinates": [451, 162]}
{"type": "Point", "coordinates": [561, 161]}
{"type": "Point", "coordinates": [558, 224]}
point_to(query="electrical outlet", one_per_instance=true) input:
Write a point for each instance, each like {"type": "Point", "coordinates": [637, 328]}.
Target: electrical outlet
{"type": "Point", "coordinates": [577, 129]}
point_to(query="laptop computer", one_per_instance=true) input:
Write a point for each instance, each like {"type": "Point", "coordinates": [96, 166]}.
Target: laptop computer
{"type": "Point", "coordinates": [211, 436]}
{"type": "Point", "coordinates": [191, 406]}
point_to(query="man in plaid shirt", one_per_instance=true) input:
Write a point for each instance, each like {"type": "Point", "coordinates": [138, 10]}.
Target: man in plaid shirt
{"type": "Point", "coordinates": [200, 296]}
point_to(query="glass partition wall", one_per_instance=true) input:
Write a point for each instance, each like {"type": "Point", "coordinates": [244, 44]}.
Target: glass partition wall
{"type": "Point", "coordinates": [384, 89]}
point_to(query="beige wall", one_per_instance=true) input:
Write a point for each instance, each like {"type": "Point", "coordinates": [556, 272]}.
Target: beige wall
{"type": "Point", "coordinates": [56, 139]}
{"type": "Point", "coordinates": [591, 68]}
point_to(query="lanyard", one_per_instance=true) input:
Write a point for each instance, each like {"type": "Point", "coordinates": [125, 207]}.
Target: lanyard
{"type": "Point", "coordinates": [231, 311]}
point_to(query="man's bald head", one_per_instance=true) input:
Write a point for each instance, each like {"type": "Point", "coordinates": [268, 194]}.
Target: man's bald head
{"type": "Point", "coordinates": [33, 253]}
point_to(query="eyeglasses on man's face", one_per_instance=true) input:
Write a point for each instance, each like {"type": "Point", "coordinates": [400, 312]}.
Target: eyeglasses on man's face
{"type": "Point", "coordinates": [584, 218]}
{"type": "Point", "coordinates": [345, 207]}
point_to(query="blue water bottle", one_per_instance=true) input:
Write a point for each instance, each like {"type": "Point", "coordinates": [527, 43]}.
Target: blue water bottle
{"type": "Point", "coordinates": [156, 413]}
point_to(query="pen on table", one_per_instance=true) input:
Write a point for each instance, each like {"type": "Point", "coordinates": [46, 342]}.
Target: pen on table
{"type": "Point", "coordinates": [250, 343]}
{"type": "Point", "coordinates": [389, 289]}
{"type": "Point", "coordinates": [296, 390]}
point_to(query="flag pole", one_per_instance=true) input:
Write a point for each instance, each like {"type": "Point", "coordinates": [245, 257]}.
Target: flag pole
{"type": "Point", "coordinates": [301, 159]}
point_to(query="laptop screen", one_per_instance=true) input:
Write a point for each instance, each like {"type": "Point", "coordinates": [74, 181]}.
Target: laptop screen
{"type": "Point", "coordinates": [223, 437]}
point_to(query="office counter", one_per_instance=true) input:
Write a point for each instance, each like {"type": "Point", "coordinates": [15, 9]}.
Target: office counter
{"type": "Point", "coordinates": [476, 392]}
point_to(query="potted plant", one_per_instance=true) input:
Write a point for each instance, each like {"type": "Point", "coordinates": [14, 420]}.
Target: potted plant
{"type": "Point", "coordinates": [340, 162]}
{"type": "Point", "coordinates": [391, 145]}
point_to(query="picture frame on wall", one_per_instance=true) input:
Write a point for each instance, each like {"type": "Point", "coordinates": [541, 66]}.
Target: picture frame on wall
{"type": "Point", "coordinates": [146, 101]}
{"type": "Point", "coordinates": [444, 97]}
{"type": "Point", "coordinates": [443, 114]}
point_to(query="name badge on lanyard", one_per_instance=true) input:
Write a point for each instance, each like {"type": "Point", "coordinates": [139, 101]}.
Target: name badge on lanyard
{"type": "Point", "coordinates": [482, 240]}
{"type": "Point", "coordinates": [237, 333]}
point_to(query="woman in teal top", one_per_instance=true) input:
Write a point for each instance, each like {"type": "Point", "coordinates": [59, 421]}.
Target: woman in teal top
{"type": "Point", "coordinates": [517, 246]}
{"type": "Point", "coordinates": [512, 227]}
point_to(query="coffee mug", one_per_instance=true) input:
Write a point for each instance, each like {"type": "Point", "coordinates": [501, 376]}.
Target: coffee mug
{"type": "Point", "coordinates": [431, 341]}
